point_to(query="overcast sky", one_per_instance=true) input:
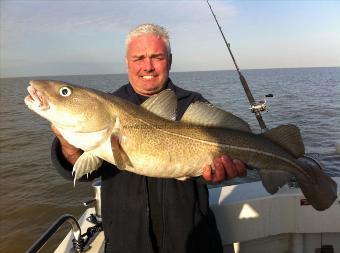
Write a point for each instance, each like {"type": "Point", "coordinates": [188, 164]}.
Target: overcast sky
{"type": "Point", "coordinates": [59, 37]}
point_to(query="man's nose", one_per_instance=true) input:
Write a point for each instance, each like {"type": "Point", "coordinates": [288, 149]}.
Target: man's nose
{"type": "Point", "coordinates": [148, 65]}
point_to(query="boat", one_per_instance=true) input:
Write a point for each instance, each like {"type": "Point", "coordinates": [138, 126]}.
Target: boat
{"type": "Point", "coordinates": [249, 220]}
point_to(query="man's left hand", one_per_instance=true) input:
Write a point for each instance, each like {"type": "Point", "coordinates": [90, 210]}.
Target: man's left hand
{"type": "Point", "coordinates": [225, 168]}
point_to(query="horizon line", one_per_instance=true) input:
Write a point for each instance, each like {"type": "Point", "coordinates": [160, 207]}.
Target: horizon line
{"type": "Point", "coordinates": [187, 71]}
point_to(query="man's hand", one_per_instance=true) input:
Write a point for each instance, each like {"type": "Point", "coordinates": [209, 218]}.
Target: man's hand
{"type": "Point", "coordinates": [225, 168]}
{"type": "Point", "coordinates": [70, 152]}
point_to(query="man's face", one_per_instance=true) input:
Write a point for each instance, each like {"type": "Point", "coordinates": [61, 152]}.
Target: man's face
{"type": "Point", "coordinates": [148, 64]}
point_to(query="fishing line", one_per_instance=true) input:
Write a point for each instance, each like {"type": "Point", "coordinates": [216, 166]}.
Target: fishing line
{"type": "Point", "coordinates": [255, 107]}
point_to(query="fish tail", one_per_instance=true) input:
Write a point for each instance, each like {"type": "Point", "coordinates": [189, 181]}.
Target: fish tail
{"type": "Point", "coordinates": [319, 189]}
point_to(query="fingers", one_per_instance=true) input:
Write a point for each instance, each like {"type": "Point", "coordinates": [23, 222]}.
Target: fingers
{"type": "Point", "coordinates": [207, 173]}
{"type": "Point", "coordinates": [67, 148]}
{"type": "Point", "coordinates": [224, 168]}
{"type": "Point", "coordinates": [62, 140]}
{"type": "Point", "coordinates": [56, 131]}
{"type": "Point", "coordinates": [234, 168]}
{"type": "Point", "coordinates": [70, 152]}
{"type": "Point", "coordinates": [219, 173]}
{"type": "Point", "coordinates": [241, 168]}
{"type": "Point", "coordinates": [229, 166]}
{"type": "Point", "coordinates": [215, 175]}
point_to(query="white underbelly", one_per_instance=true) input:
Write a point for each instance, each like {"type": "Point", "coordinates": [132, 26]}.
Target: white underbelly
{"type": "Point", "coordinates": [166, 168]}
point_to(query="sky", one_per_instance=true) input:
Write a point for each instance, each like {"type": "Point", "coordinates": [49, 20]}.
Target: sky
{"type": "Point", "coordinates": [73, 37]}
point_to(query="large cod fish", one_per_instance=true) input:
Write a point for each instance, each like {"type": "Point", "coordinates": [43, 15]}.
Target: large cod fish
{"type": "Point", "coordinates": [147, 140]}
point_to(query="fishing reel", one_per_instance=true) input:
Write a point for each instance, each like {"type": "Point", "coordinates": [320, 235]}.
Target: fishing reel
{"type": "Point", "coordinates": [261, 105]}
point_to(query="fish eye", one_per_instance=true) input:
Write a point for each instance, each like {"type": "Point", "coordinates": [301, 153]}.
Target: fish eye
{"type": "Point", "coordinates": [65, 91]}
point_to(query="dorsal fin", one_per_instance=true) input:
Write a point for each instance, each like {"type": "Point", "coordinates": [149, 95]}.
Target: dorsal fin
{"type": "Point", "coordinates": [205, 114]}
{"type": "Point", "coordinates": [163, 104]}
{"type": "Point", "coordinates": [288, 137]}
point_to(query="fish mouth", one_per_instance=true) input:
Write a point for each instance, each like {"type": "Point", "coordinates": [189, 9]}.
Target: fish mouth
{"type": "Point", "coordinates": [36, 99]}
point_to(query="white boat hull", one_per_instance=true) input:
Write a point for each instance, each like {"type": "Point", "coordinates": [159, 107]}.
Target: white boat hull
{"type": "Point", "coordinates": [250, 220]}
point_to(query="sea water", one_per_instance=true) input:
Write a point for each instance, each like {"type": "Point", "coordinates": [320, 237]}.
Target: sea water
{"type": "Point", "coordinates": [33, 194]}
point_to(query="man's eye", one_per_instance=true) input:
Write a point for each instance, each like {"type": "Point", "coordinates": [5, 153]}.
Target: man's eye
{"type": "Point", "coordinates": [158, 57]}
{"type": "Point", "coordinates": [137, 59]}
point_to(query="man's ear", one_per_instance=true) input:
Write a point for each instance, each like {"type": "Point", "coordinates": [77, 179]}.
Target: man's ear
{"type": "Point", "coordinates": [170, 61]}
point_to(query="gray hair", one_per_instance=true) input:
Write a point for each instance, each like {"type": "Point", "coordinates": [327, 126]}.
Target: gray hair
{"type": "Point", "coordinates": [150, 29]}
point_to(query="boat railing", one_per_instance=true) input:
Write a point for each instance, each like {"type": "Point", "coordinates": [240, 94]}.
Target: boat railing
{"type": "Point", "coordinates": [66, 218]}
{"type": "Point", "coordinates": [80, 241]}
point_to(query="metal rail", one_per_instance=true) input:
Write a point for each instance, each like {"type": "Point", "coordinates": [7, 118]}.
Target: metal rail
{"type": "Point", "coordinates": [54, 228]}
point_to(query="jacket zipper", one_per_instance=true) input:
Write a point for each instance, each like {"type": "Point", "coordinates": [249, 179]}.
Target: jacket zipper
{"type": "Point", "coordinates": [147, 218]}
{"type": "Point", "coordinates": [164, 183]}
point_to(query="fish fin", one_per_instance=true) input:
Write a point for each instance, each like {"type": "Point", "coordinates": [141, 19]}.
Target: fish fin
{"type": "Point", "coordinates": [319, 189]}
{"type": "Point", "coordinates": [121, 158]}
{"type": "Point", "coordinates": [163, 104]}
{"type": "Point", "coordinates": [288, 137]}
{"type": "Point", "coordinates": [86, 163]}
{"type": "Point", "coordinates": [205, 114]}
{"type": "Point", "coordinates": [273, 180]}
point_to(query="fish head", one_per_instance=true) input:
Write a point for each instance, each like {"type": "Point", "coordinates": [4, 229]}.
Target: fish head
{"type": "Point", "coordinates": [69, 106]}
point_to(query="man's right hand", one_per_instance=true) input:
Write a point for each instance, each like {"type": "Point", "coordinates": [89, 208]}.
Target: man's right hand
{"type": "Point", "coordinates": [70, 152]}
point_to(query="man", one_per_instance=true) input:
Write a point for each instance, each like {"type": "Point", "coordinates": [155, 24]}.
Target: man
{"type": "Point", "coordinates": [142, 214]}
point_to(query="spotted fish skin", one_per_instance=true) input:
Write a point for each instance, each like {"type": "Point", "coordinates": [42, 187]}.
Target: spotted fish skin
{"type": "Point", "coordinates": [146, 140]}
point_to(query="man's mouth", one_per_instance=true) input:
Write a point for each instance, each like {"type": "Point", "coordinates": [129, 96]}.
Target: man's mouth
{"type": "Point", "coordinates": [149, 77]}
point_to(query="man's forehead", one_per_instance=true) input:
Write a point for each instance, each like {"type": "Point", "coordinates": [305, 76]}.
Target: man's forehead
{"type": "Point", "coordinates": [147, 41]}
{"type": "Point", "coordinates": [146, 36]}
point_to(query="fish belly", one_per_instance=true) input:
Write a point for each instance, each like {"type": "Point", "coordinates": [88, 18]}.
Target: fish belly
{"type": "Point", "coordinates": [167, 157]}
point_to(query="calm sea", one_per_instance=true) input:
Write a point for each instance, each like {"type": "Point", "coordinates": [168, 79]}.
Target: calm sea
{"type": "Point", "coordinates": [33, 195]}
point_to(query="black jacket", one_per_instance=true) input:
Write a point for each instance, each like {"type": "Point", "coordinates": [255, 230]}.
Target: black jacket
{"type": "Point", "coordinates": [143, 214]}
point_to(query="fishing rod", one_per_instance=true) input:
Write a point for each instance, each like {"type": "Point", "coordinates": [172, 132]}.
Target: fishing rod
{"type": "Point", "coordinates": [255, 107]}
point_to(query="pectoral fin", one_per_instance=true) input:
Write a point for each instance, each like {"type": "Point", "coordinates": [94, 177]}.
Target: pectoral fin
{"type": "Point", "coordinates": [121, 158]}
{"type": "Point", "coordinates": [85, 164]}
